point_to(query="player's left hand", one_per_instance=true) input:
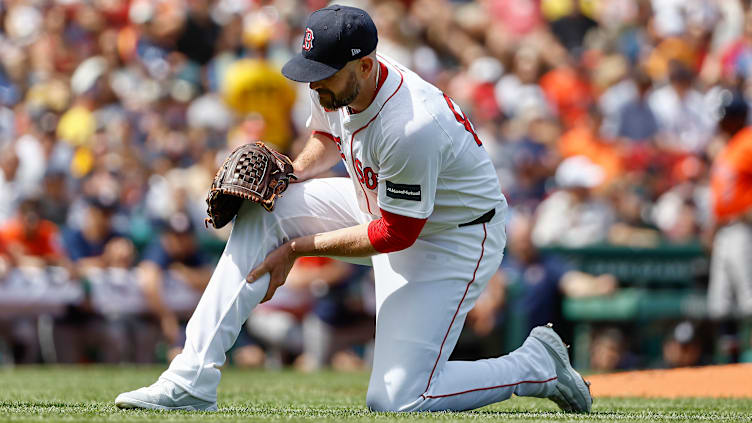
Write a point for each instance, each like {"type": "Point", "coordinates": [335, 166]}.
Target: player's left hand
{"type": "Point", "coordinates": [277, 264]}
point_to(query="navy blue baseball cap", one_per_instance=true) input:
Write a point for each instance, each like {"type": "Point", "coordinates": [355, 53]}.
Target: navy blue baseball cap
{"type": "Point", "coordinates": [333, 36]}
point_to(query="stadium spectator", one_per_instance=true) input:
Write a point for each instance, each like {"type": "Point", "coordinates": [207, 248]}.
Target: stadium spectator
{"type": "Point", "coordinates": [567, 89]}
{"type": "Point", "coordinates": [55, 201]}
{"type": "Point", "coordinates": [31, 241]}
{"type": "Point", "coordinates": [109, 324]}
{"type": "Point", "coordinates": [173, 273]}
{"type": "Point", "coordinates": [682, 347]}
{"type": "Point", "coordinates": [569, 21]}
{"type": "Point", "coordinates": [278, 323]}
{"type": "Point", "coordinates": [540, 280]}
{"type": "Point", "coordinates": [254, 86]}
{"type": "Point", "coordinates": [342, 318]}
{"type": "Point", "coordinates": [18, 336]}
{"type": "Point", "coordinates": [8, 190]}
{"type": "Point", "coordinates": [518, 91]}
{"type": "Point", "coordinates": [636, 120]}
{"type": "Point", "coordinates": [127, 332]}
{"type": "Point", "coordinates": [525, 164]}
{"type": "Point", "coordinates": [736, 55]}
{"type": "Point", "coordinates": [86, 245]}
{"type": "Point", "coordinates": [630, 228]}
{"type": "Point", "coordinates": [685, 122]}
{"type": "Point", "coordinates": [574, 215]}
{"type": "Point", "coordinates": [609, 351]}
{"type": "Point", "coordinates": [585, 139]}
{"type": "Point", "coordinates": [199, 32]}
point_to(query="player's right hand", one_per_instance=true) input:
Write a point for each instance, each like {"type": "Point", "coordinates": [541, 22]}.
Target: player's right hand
{"type": "Point", "coordinates": [277, 264]}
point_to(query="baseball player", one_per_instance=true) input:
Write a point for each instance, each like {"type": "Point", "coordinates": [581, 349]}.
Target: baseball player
{"type": "Point", "coordinates": [422, 205]}
{"type": "Point", "coordinates": [730, 287]}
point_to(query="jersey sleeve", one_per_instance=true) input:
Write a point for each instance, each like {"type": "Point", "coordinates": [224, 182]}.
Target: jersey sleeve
{"type": "Point", "coordinates": [409, 171]}
{"type": "Point", "coordinates": [317, 120]}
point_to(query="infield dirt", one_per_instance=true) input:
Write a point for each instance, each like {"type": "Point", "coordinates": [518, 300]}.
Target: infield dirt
{"type": "Point", "coordinates": [726, 381]}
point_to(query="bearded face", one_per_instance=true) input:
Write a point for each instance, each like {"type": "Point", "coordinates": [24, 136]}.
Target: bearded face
{"type": "Point", "coordinates": [332, 98]}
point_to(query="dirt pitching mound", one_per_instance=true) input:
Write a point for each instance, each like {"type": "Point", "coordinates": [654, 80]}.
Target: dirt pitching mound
{"type": "Point", "coordinates": [727, 381]}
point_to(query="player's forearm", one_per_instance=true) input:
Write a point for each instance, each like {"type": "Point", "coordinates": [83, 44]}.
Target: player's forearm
{"type": "Point", "coordinates": [346, 242]}
{"type": "Point", "coordinates": [318, 156]}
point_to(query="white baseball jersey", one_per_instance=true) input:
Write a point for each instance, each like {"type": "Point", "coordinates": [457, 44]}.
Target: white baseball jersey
{"type": "Point", "coordinates": [412, 152]}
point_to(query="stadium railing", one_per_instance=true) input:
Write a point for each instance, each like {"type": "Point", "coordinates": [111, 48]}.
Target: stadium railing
{"type": "Point", "coordinates": [655, 284]}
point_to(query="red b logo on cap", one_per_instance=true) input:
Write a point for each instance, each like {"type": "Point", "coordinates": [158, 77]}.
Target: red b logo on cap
{"type": "Point", "coordinates": [308, 40]}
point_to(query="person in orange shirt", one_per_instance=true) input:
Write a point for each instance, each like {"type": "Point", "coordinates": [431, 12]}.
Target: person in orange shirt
{"type": "Point", "coordinates": [31, 240]}
{"type": "Point", "coordinates": [584, 139]}
{"type": "Point", "coordinates": [566, 90]}
{"type": "Point", "coordinates": [731, 190]}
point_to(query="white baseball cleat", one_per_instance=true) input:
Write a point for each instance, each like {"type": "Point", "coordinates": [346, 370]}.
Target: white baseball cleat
{"type": "Point", "coordinates": [572, 393]}
{"type": "Point", "coordinates": [163, 395]}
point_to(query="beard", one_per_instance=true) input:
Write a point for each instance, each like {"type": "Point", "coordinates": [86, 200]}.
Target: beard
{"type": "Point", "coordinates": [331, 101]}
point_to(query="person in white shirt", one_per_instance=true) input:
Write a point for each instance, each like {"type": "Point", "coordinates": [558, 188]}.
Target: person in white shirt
{"type": "Point", "coordinates": [422, 205]}
{"type": "Point", "coordinates": [573, 216]}
{"type": "Point", "coordinates": [685, 118]}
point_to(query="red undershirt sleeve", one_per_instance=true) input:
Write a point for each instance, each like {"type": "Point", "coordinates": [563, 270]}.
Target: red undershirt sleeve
{"type": "Point", "coordinates": [326, 134]}
{"type": "Point", "coordinates": [394, 232]}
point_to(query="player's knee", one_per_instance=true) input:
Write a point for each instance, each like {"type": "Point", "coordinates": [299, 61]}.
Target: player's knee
{"type": "Point", "coordinates": [374, 402]}
{"type": "Point", "coordinates": [380, 399]}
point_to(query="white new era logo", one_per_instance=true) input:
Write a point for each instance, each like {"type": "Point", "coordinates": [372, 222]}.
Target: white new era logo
{"type": "Point", "coordinates": [355, 51]}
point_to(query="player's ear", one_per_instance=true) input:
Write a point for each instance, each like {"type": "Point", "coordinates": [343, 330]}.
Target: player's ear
{"type": "Point", "coordinates": [365, 65]}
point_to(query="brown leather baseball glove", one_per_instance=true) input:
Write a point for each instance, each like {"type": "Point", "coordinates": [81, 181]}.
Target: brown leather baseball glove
{"type": "Point", "coordinates": [251, 172]}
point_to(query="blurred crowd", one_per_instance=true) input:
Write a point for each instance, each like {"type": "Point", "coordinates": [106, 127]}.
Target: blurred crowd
{"type": "Point", "coordinates": [601, 117]}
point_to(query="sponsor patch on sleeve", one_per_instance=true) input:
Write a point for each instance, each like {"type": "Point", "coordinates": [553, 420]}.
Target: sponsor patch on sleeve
{"type": "Point", "coordinates": [403, 191]}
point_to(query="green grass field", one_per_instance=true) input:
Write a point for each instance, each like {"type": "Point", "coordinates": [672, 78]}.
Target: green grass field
{"type": "Point", "coordinates": [87, 394]}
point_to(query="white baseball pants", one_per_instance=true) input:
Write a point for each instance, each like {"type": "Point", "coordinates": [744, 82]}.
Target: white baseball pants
{"type": "Point", "coordinates": [730, 287]}
{"type": "Point", "coordinates": [423, 294]}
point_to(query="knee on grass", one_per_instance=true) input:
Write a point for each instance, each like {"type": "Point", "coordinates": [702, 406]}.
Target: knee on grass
{"type": "Point", "coordinates": [381, 401]}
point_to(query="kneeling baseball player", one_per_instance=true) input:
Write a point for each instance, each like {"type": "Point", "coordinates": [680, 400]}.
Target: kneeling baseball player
{"type": "Point", "coordinates": [422, 205]}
